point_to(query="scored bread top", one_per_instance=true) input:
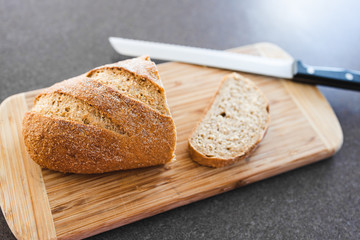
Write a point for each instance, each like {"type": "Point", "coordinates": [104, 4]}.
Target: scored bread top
{"type": "Point", "coordinates": [137, 78]}
{"type": "Point", "coordinates": [118, 109]}
{"type": "Point", "coordinates": [142, 67]}
{"type": "Point", "coordinates": [233, 125]}
{"type": "Point", "coordinates": [82, 125]}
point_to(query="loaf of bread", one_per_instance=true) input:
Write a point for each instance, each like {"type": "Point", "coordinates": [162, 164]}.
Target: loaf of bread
{"type": "Point", "coordinates": [234, 124]}
{"type": "Point", "coordinates": [114, 117]}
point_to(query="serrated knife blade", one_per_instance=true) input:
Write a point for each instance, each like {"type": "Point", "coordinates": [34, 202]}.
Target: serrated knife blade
{"type": "Point", "coordinates": [289, 69]}
{"type": "Point", "coordinates": [212, 58]}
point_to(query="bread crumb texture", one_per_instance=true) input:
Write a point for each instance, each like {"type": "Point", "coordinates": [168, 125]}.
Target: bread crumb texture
{"type": "Point", "coordinates": [234, 124]}
{"type": "Point", "coordinates": [112, 118]}
{"type": "Point", "coordinates": [73, 109]}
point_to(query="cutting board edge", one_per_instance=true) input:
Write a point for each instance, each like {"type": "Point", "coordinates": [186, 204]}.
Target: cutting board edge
{"type": "Point", "coordinates": [39, 213]}
{"type": "Point", "coordinates": [332, 139]}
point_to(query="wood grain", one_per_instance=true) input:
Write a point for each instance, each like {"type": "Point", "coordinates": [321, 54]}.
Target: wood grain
{"type": "Point", "coordinates": [24, 200]}
{"type": "Point", "coordinates": [42, 204]}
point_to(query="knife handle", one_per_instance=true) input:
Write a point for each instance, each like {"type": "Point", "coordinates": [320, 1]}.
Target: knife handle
{"type": "Point", "coordinates": [328, 76]}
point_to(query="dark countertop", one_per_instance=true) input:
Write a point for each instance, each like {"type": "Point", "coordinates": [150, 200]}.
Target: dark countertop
{"type": "Point", "coordinates": [43, 42]}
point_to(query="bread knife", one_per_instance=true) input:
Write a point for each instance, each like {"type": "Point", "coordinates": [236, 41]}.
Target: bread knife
{"type": "Point", "coordinates": [289, 69]}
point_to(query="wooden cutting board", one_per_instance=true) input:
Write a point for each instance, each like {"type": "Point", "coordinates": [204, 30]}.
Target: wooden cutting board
{"type": "Point", "coordinates": [42, 204]}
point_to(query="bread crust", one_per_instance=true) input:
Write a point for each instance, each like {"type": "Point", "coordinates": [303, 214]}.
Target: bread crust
{"type": "Point", "coordinates": [218, 162]}
{"type": "Point", "coordinates": [215, 162]}
{"type": "Point", "coordinates": [59, 144]}
{"type": "Point", "coordinates": [67, 146]}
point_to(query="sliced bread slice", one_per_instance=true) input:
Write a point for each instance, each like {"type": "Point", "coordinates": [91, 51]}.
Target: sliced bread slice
{"type": "Point", "coordinates": [234, 124]}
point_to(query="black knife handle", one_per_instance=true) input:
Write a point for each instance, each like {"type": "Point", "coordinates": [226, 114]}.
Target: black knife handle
{"type": "Point", "coordinates": [328, 76]}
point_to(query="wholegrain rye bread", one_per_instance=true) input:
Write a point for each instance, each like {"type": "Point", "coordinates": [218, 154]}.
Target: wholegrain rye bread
{"type": "Point", "coordinates": [112, 118]}
{"type": "Point", "coordinates": [233, 125]}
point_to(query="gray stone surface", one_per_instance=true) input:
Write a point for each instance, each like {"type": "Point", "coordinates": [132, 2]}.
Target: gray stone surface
{"type": "Point", "coordinates": [43, 42]}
